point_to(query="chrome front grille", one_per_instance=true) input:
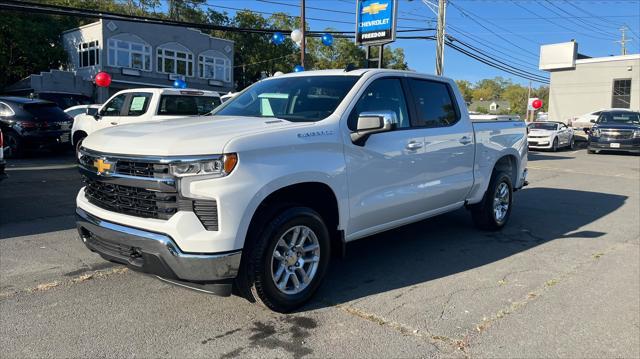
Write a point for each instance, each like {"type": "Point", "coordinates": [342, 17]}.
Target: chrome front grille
{"type": "Point", "coordinates": [142, 169]}
{"type": "Point", "coordinates": [617, 134]}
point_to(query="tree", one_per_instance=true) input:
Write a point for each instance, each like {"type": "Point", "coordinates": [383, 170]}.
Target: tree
{"type": "Point", "coordinates": [517, 97]}
{"type": "Point", "coordinates": [466, 90]}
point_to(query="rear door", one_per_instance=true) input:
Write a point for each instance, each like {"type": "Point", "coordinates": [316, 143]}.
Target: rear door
{"type": "Point", "coordinates": [449, 148]}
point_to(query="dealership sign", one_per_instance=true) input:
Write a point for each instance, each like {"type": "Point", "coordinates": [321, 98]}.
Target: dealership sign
{"type": "Point", "coordinates": [375, 21]}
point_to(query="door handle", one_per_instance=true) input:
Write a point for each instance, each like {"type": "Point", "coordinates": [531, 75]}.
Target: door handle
{"type": "Point", "coordinates": [114, 123]}
{"type": "Point", "coordinates": [412, 146]}
{"type": "Point", "coordinates": [465, 140]}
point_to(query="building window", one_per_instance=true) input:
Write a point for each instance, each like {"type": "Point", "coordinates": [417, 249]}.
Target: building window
{"type": "Point", "coordinates": [127, 54]}
{"type": "Point", "coordinates": [214, 68]}
{"type": "Point", "coordinates": [621, 94]}
{"type": "Point", "coordinates": [89, 54]}
{"type": "Point", "coordinates": [173, 61]}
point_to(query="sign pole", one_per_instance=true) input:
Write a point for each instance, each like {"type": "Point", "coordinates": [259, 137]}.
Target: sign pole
{"type": "Point", "coordinates": [380, 56]}
{"type": "Point", "coordinates": [302, 28]}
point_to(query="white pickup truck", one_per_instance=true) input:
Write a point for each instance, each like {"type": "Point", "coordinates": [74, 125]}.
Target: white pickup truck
{"type": "Point", "coordinates": [142, 104]}
{"type": "Point", "coordinates": [261, 200]}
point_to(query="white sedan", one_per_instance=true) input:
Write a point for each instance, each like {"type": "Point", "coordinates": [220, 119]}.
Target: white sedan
{"type": "Point", "coordinates": [550, 136]}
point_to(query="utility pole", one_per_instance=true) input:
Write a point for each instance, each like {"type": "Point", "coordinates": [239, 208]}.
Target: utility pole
{"type": "Point", "coordinates": [442, 9]}
{"type": "Point", "coordinates": [528, 97]}
{"type": "Point", "coordinates": [624, 40]}
{"type": "Point", "coordinates": [302, 28]}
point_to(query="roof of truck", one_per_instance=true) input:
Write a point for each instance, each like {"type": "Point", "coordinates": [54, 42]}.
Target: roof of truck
{"type": "Point", "coordinates": [172, 91]}
{"type": "Point", "coordinates": [359, 72]}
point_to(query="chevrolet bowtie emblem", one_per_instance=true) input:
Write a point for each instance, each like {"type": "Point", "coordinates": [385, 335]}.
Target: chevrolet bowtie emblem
{"type": "Point", "coordinates": [101, 165]}
{"type": "Point", "coordinates": [374, 8]}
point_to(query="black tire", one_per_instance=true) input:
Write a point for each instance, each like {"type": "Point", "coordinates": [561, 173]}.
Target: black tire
{"type": "Point", "coordinates": [572, 143]}
{"type": "Point", "coordinates": [591, 152]}
{"type": "Point", "coordinates": [258, 263]}
{"type": "Point", "coordinates": [78, 142]}
{"type": "Point", "coordinates": [483, 213]}
{"type": "Point", "coordinates": [554, 147]}
{"type": "Point", "coordinates": [14, 144]}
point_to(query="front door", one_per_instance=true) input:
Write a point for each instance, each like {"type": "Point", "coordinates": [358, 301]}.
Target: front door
{"type": "Point", "coordinates": [386, 173]}
{"type": "Point", "coordinates": [124, 108]}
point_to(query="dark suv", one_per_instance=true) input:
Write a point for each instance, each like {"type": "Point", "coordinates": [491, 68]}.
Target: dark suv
{"type": "Point", "coordinates": [616, 131]}
{"type": "Point", "coordinates": [32, 124]}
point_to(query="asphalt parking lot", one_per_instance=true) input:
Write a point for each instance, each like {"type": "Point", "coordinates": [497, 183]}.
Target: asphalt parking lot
{"type": "Point", "coordinates": [562, 280]}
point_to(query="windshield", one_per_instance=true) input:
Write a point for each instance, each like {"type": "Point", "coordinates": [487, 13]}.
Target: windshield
{"type": "Point", "coordinates": [619, 118]}
{"type": "Point", "coordinates": [298, 99]}
{"type": "Point", "coordinates": [543, 126]}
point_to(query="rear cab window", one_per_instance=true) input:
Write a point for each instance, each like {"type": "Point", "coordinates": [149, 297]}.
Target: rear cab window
{"type": "Point", "coordinates": [187, 105]}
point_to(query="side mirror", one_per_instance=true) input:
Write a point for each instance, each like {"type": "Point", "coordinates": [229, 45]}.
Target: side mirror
{"type": "Point", "coordinates": [373, 122]}
{"type": "Point", "coordinates": [92, 112]}
{"type": "Point", "coordinates": [592, 121]}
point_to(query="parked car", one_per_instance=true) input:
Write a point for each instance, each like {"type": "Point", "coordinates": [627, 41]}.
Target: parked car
{"type": "Point", "coordinates": [583, 124]}
{"type": "Point", "coordinates": [32, 124]}
{"type": "Point", "coordinates": [3, 163]}
{"type": "Point", "coordinates": [549, 135]}
{"type": "Point", "coordinates": [144, 104]}
{"type": "Point", "coordinates": [262, 199]}
{"type": "Point", "coordinates": [74, 111]}
{"type": "Point", "coordinates": [616, 130]}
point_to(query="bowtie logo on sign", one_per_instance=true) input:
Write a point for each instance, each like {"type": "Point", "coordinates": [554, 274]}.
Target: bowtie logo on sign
{"type": "Point", "coordinates": [374, 8]}
{"type": "Point", "coordinates": [375, 22]}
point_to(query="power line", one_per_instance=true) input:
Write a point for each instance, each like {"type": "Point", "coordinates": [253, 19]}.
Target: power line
{"type": "Point", "coordinates": [470, 16]}
{"type": "Point", "coordinates": [581, 22]}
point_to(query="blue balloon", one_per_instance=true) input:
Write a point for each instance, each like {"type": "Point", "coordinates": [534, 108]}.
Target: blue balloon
{"type": "Point", "coordinates": [298, 68]}
{"type": "Point", "coordinates": [179, 84]}
{"type": "Point", "coordinates": [327, 39]}
{"type": "Point", "coordinates": [277, 38]}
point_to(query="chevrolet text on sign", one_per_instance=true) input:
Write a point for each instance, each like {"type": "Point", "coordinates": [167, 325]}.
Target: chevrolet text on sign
{"type": "Point", "coordinates": [375, 21]}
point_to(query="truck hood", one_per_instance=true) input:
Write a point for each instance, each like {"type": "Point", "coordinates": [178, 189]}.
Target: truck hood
{"type": "Point", "coordinates": [179, 137]}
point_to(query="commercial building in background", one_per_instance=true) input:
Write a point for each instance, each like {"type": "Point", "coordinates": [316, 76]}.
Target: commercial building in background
{"type": "Point", "coordinates": [135, 55]}
{"type": "Point", "coordinates": [581, 84]}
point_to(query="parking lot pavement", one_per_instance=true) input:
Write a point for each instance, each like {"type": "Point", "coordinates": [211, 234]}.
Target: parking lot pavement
{"type": "Point", "coordinates": [561, 280]}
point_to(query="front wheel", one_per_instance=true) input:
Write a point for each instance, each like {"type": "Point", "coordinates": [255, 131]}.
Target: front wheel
{"type": "Point", "coordinates": [289, 259]}
{"type": "Point", "coordinates": [494, 210]}
{"type": "Point", "coordinates": [13, 144]}
{"type": "Point", "coordinates": [554, 147]}
{"type": "Point", "coordinates": [572, 143]}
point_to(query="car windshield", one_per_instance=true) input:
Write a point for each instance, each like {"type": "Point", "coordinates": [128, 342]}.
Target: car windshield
{"type": "Point", "coordinates": [297, 99]}
{"type": "Point", "coordinates": [619, 118]}
{"type": "Point", "coordinates": [543, 126]}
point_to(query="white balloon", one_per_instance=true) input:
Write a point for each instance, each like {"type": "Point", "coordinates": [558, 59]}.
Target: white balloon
{"type": "Point", "coordinates": [296, 36]}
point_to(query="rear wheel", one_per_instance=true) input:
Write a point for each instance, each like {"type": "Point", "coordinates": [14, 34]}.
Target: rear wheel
{"type": "Point", "coordinates": [495, 209]}
{"type": "Point", "coordinates": [289, 259]}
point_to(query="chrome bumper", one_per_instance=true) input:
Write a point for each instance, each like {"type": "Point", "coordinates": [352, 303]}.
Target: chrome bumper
{"type": "Point", "coordinates": [157, 254]}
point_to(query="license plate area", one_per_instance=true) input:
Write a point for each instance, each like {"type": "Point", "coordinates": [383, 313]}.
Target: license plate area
{"type": "Point", "coordinates": [614, 145]}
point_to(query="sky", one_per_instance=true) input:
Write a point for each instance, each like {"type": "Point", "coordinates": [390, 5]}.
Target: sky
{"type": "Point", "coordinates": [511, 30]}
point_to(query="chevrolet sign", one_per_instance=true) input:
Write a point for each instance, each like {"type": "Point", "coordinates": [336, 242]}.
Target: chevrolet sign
{"type": "Point", "coordinates": [375, 21]}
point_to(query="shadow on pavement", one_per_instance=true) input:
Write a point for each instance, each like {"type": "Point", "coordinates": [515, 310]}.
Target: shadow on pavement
{"type": "Point", "coordinates": [449, 244]}
{"type": "Point", "coordinates": [541, 156]}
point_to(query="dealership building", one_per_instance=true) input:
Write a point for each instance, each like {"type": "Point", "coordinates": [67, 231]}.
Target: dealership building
{"type": "Point", "coordinates": [135, 55]}
{"type": "Point", "coordinates": [582, 84]}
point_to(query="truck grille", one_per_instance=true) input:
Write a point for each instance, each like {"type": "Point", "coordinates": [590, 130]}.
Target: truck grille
{"type": "Point", "coordinates": [129, 200]}
{"type": "Point", "coordinates": [617, 134]}
{"type": "Point", "coordinates": [142, 169]}
{"type": "Point", "coordinates": [207, 212]}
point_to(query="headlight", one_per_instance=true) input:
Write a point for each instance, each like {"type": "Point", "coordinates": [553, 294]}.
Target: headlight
{"type": "Point", "coordinates": [636, 134]}
{"type": "Point", "coordinates": [218, 167]}
{"type": "Point", "coordinates": [595, 132]}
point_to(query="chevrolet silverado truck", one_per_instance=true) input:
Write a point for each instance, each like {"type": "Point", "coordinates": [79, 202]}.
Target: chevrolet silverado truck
{"type": "Point", "coordinates": [286, 173]}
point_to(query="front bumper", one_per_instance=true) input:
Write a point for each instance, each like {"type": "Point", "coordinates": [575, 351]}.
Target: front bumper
{"type": "Point", "coordinates": [627, 145]}
{"type": "Point", "coordinates": [157, 254]}
{"type": "Point", "coordinates": [545, 143]}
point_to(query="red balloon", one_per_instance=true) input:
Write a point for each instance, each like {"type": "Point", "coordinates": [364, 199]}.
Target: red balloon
{"type": "Point", "coordinates": [536, 104]}
{"type": "Point", "coordinates": [103, 79]}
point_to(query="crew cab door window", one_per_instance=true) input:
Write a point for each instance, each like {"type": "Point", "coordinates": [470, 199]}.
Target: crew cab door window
{"type": "Point", "coordinates": [382, 95]}
{"type": "Point", "coordinates": [138, 104]}
{"type": "Point", "coordinates": [114, 107]}
{"type": "Point", "coordinates": [434, 103]}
